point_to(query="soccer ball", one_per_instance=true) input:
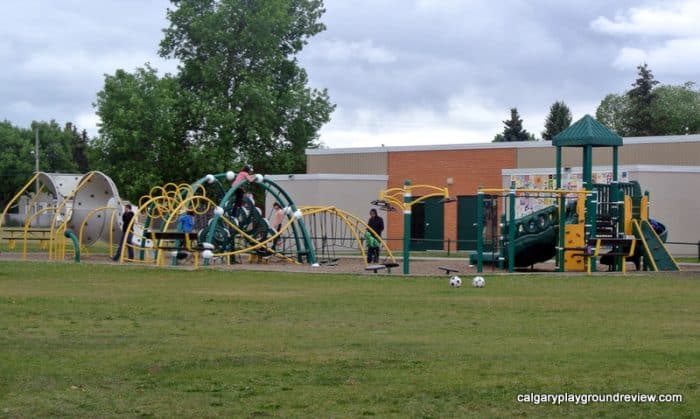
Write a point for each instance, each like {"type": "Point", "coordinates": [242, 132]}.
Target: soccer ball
{"type": "Point", "coordinates": [455, 281]}
{"type": "Point", "coordinates": [478, 282]}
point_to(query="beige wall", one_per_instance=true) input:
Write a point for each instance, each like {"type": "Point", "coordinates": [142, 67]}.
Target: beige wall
{"type": "Point", "coordinates": [369, 163]}
{"type": "Point", "coordinates": [633, 152]}
{"type": "Point", "coordinates": [674, 201]}
{"type": "Point", "coordinates": [351, 193]}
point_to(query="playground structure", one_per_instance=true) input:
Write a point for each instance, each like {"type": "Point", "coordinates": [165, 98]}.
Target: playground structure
{"type": "Point", "coordinates": [402, 198]}
{"type": "Point", "coordinates": [68, 213]}
{"type": "Point", "coordinates": [575, 225]}
{"type": "Point", "coordinates": [226, 231]}
{"type": "Point", "coordinates": [60, 205]}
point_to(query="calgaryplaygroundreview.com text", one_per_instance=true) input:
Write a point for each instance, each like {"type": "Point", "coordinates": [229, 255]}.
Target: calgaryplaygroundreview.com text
{"type": "Point", "coordinates": [586, 398]}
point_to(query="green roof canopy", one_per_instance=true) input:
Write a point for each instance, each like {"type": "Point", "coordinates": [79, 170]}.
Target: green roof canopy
{"type": "Point", "coordinates": [587, 131]}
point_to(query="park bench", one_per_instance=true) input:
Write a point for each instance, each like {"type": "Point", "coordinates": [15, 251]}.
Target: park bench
{"type": "Point", "coordinates": [40, 234]}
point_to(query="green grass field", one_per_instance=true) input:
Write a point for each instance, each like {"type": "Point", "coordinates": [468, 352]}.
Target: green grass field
{"type": "Point", "coordinates": [105, 340]}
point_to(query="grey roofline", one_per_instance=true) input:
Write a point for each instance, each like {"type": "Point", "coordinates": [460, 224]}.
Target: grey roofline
{"type": "Point", "coordinates": [665, 139]}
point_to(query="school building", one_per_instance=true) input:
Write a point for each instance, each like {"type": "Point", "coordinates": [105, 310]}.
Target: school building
{"type": "Point", "coordinates": [668, 167]}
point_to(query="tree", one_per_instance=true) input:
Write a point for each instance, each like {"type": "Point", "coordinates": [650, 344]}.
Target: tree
{"type": "Point", "coordinates": [55, 147]}
{"type": "Point", "coordinates": [16, 159]}
{"type": "Point", "coordinates": [144, 139]}
{"type": "Point", "coordinates": [558, 120]}
{"type": "Point", "coordinates": [513, 130]}
{"type": "Point", "coordinates": [239, 97]}
{"type": "Point", "coordinates": [676, 109]}
{"type": "Point", "coordinates": [663, 110]}
{"type": "Point", "coordinates": [613, 112]}
{"type": "Point", "coordinates": [80, 146]}
{"type": "Point", "coordinates": [239, 62]}
{"type": "Point", "coordinates": [641, 98]}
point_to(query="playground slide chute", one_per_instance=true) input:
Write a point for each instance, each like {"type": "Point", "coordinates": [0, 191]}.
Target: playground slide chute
{"type": "Point", "coordinates": [652, 246]}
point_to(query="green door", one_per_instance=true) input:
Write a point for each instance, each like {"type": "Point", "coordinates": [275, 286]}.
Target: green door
{"type": "Point", "coordinates": [427, 224]}
{"type": "Point", "coordinates": [466, 222]}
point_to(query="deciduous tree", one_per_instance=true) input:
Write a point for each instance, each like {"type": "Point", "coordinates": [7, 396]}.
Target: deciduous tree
{"type": "Point", "coordinates": [239, 60]}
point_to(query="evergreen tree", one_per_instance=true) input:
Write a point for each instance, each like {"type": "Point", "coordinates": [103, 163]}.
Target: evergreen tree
{"type": "Point", "coordinates": [558, 120]}
{"type": "Point", "coordinates": [513, 130]}
{"type": "Point", "coordinates": [642, 98]}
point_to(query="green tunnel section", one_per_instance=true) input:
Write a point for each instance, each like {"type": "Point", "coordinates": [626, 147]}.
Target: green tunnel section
{"type": "Point", "coordinates": [224, 238]}
{"type": "Point", "coordinates": [535, 239]}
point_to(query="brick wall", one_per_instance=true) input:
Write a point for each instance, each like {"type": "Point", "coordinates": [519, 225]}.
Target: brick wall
{"type": "Point", "coordinates": [468, 169]}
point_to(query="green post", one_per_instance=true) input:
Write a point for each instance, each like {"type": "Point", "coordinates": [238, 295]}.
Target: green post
{"type": "Point", "coordinates": [558, 167]}
{"type": "Point", "coordinates": [615, 169]}
{"type": "Point", "coordinates": [480, 230]}
{"type": "Point", "coordinates": [511, 229]}
{"type": "Point", "coordinates": [620, 216]}
{"type": "Point", "coordinates": [406, 225]}
{"type": "Point", "coordinates": [76, 245]}
{"type": "Point", "coordinates": [562, 232]}
{"type": "Point", "coordinates": [592, 199]}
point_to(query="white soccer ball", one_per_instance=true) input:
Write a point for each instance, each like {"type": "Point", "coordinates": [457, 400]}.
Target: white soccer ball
{"type": "Point", "coordinates": [455, 281]}
{"type": "Point", "coordinates": [478, 282]}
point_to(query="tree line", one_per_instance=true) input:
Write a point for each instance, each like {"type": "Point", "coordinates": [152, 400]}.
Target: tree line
{"type": "Point", "coordinates": [648, 108]}
{"type": "Point", "coordinates": [240, 97]}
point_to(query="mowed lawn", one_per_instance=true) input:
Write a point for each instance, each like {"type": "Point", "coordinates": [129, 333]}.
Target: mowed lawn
{"type": "Point", "coordinates": [103, 340]}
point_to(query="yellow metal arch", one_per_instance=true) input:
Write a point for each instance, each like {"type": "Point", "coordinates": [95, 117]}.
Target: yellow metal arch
{"type": "Point", "coordinates": [352, 222]}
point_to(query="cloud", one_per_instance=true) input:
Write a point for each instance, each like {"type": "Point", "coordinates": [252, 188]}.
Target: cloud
{"type": "Point", "coordinates": [348, 51]}
{"type": "Point", "coordinates": [661, 35]}
{"type": "Point", "coordinates": [674, 19]}
{"type": "Point", "coordinates": [670, 58]}
{"type": "Point", "coordinates": [400, 71]}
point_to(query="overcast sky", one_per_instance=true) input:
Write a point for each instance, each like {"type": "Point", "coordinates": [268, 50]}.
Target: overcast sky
{"type": "Point", "coordinates": [401, 72]}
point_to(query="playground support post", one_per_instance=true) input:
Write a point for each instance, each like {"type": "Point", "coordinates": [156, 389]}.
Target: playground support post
{"type": "Point", "coordinates": [511, 228]}
{"type": "Point", "coordinates": [562, 232]}
{"type": "Point", "coordinates": [480, 234]}
{"type": "Point", "coordinates": [406, 226]}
